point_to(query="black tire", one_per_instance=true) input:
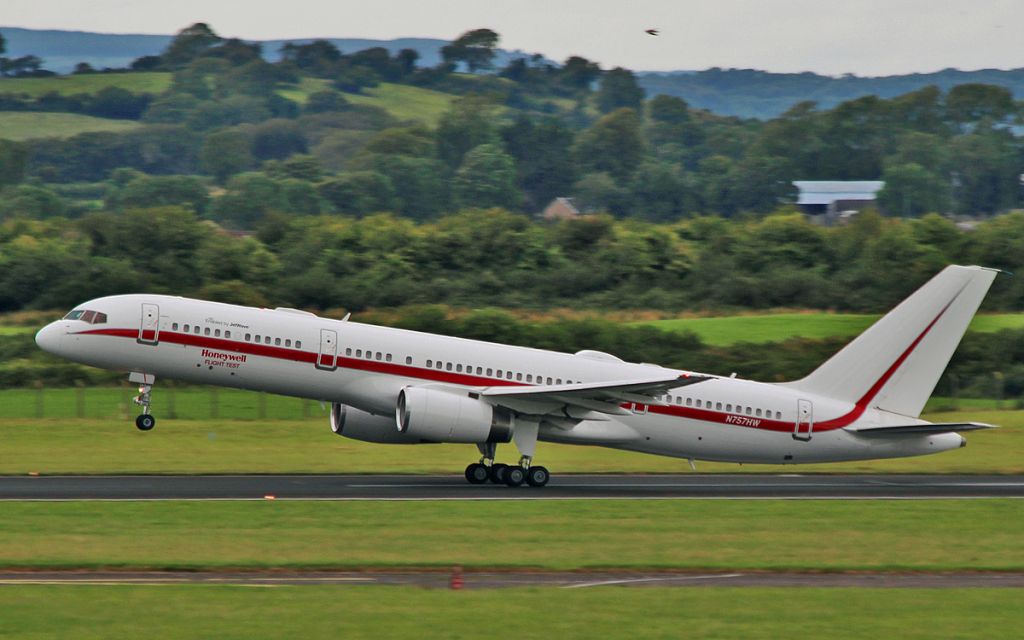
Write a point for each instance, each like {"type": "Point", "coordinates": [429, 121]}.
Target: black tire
{"type": "Point", "coordinates": [145, 422]}
{"type": "Point", "coordinates": [477, 473]}
{"type": "Point", "coordinates": [498, 470]}
{"type": "Point", "coordinates": [515, 476]}
{"type": "Point", "coordinates": [537, 476]}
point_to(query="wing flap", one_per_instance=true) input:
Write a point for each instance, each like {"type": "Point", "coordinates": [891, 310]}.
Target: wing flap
{"type": "Point", "coordinates": [919, 429]}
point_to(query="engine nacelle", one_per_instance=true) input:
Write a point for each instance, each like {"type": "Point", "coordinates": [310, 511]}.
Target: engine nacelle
{"type": "Point", "coordinates": [360, 425]}
{"type": "Point", "coordinates": [439, 415]}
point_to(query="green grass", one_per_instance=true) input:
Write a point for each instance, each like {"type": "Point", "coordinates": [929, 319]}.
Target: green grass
{"type": "Point", "coordinates": [776, 327]}
{"type": "Point", "coordinates": [14, 331]}
{"type": "Point", "coordinates": [402, 101]}
{"type": "Point", "coordinates": [406, 102]}
{"type": "Point", "coordinates": [730, 535]}
{"type": "Point", "coordinates": [331, 612]}
{"type": "Point", "coordinates": [113, 445]}
{"type": "Point", "coordinates": [148, 82]}
{"type": "Point", "coordinates": [27, 126]}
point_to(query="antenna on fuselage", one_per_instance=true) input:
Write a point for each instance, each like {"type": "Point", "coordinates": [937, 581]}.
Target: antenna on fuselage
{"type": "Point", "coordinates": [347, 316]}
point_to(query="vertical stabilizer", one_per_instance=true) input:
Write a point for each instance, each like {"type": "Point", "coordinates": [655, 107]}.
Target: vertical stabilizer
{"type": "Point", "coordinates": [896, 363]}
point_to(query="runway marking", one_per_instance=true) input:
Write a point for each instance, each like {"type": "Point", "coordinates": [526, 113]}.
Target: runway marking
{"type": "Point", "coordinates": [509, 498]}
{"type": "Point", "coordinates": [602, 583]}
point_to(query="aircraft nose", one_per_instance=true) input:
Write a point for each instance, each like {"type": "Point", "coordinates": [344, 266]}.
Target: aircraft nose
{"type": "Point", "coordinates": [48, 338]}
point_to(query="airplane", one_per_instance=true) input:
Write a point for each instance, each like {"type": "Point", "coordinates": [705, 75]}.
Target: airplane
{"type": "Point", "coordinates": [394, 386]}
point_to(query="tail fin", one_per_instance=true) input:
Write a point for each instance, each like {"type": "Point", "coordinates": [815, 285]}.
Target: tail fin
{"type": "Point", "coordinates": [895, 364]}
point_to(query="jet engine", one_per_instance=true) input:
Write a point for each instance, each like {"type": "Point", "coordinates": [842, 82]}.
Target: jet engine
{"type": "Point", "coordinates": [440, 415]}
{"type": "Point", "coordinates": [360, 425]}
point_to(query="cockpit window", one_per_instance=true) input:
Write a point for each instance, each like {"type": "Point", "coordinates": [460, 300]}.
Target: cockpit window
{"type": "Point", "coordinates": [85, 315]}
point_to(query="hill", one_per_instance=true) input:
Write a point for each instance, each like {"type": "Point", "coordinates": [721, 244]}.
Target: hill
{"type": "Point", "coordinates": [750, 93]}
{"type": "Point", "coordinates": [62, 50]}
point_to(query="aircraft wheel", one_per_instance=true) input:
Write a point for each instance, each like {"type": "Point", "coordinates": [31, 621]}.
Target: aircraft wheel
{"type": "Point", "coordinates": [497, 475]}
{"type": "Point", "coordinates": [477, 473]}
{"type": "Point", "coordinates": [145, 422]}
{"type": "Point", "coordinates": [537, 476]}
{"type": "Point", "coordinates": [515, 476]}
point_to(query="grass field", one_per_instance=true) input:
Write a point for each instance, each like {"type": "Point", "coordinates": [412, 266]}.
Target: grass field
{"type": "Point", "coordinates": [405, 102]}
{"type": "Point", "coordinates": [113, 445]}
{"type": "Point", "coordinates": [405, 612]}
{"type": "Point", "coordinates": [147, 82]}
{"type": "Point", "coordinates": [26, 125]}
{"type": "Point", "coordinates": [822, 535]}
{"type": "Point", "coordinates": [775, 327]}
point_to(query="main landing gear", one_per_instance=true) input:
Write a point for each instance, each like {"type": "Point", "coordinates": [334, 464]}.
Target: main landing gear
{"type": "Point", "coordinates": [145, 421]}
{"type": "Point", "coordinates": [487, 470]}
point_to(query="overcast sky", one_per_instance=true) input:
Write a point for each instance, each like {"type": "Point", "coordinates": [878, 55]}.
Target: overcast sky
{"type": "Point", "coordinates": [866, 37]}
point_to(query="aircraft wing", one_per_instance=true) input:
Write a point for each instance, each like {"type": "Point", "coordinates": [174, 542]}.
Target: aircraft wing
{"type": "Point", "coordinates": [603, 397]}
{"type": "Point", "coordinates": [919, 429]}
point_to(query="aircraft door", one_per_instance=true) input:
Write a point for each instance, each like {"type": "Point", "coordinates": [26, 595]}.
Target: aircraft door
{"type": "Point", "coordinates": [149, 329]}
{"type": "Point", "coordinates": [327, 359]}
{"type": "Point", "coordinates": [804, 420]}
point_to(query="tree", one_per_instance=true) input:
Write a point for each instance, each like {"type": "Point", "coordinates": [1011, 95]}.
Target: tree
{"type": "Point", "coordinates": [468, 123]}
{"type": "Point", "coordinates": [968, 104]}
{"type": "Point", "coordinates": [407, 60]}
{"type": "Point", "coordinates": [619, 89]}
{"type": "Point", "coordinates": [543, 154]}
{"type": "Point", "coordinates": [13, 160]}
{"type": "Point", "coordinates": [359, 192]}
{"type": "Point", "coordinates": [486, 179]}
{"type": "Point", "coordinates": [578, 73]}
{"type": "Point", "coordinates": [613, 144]}
{"type": "Point", "coordinates": [474, 48]}
{"type": "Point", "coordinates": [326, 101]}
{"type": "Point", "coordinates": [189, 43]}
{"type": "Point", "coordinates": [154, 191]}
{"type": "Point", "coordinates": [277, 139]}
{"type": "Point", "coordinates": [225, 153]}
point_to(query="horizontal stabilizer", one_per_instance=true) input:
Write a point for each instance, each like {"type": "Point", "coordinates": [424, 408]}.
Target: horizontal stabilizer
{"type": "Point", "coordinates": [919, 429]}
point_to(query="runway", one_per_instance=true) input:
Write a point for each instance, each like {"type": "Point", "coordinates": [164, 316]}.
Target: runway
{"type": "Point", "coordinates": [573, 487]}
{"type": "Point", "coordinates": [442, 579]}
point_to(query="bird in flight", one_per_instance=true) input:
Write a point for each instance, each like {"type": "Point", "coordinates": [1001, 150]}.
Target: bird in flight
{"type": "Point", "coordinates": [651, 32]}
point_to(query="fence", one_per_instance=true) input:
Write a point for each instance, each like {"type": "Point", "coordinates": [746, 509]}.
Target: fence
{"type": "Point", "coordinates": [169, 403]}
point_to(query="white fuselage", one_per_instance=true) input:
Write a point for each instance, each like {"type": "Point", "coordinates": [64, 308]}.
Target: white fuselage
{"type": "Point", "coordinates": [298, 354]}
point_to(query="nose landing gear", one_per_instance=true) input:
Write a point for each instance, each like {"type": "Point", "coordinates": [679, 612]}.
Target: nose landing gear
{"type": "Point", "coordinates": [145, 421]}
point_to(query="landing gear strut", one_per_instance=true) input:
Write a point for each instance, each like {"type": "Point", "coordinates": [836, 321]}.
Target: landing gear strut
{"type": "Point", "coordinates": [145, 421]}
{"type": "Point", "coordinates": [513, 476]}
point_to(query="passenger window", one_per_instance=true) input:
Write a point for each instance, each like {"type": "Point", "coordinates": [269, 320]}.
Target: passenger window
{"type": "Point", "coordinates": [298, 344]}
{"type": "Point", "coordinates": [227, 334]}
{"type": "Point", "coordinates": [718, 406]}
{"type": "Point", "coordinates": [408, 360]}
{"type": "Point", "coordinates": [277, 342]}
{"type": "Point", "coordinates": [387, 357]}
{"type": "Point", "coordinates": [248, 336]}
{"type": "Point", "coordinates": [489, 372]}
{"type": "Point", "coordinates": [758, 412]}
{"type": "Point", "coordinates": [186, 328]}
{"type": "Point", "coordinates": [430, 363]}
{"type": "Point", "coordinates": [558, 381]}
{"type": "Point", "coordinates": [549, 381]}
{"type": "Point", "coordinates": [728, 408]}
{"type": "Point", "coordinates": [206, 331]}
{"type": "Point", "coordinates": [359, 353]}
{"type": "Point", "coordinates": [266, 339]}
{"type": "Point", "coordinates": [508, 375]}
{"type": "Point", "coordinates": [216, 333]}
{"type": "Point", "coordinates": [448, 366]}
{"type": "Point", "coordinates": [458, 368]}
{"type": "Point", "coordinates": [195, 330]}
{"type": "Point", "coordinates": [348, 351]}
{"type": "Point", "coordinates": [529, 377]}
{"type": "Point", "coordinates": [174, 326]}
{"type": "Point", "coordinates": [749, 411]}
{"type": "Point", "coordinates": [689, 402]}
{"type": "Point", "coordinates": [479, 371]}
{"type": "Point", "coordinates": [288, 342]}
{"type": "Point", "coordinates": [379, 355]}
{"type": "Point", "coordinates": [519, 377]}
{"type": "Point", "coordinates": [439, 364]}
{"type": "Point", "coordinates": [778, 415]}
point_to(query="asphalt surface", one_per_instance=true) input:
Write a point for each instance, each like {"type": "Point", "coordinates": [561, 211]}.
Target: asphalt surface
{"type": "Point", "coordinates": [498, 579]}
{"type": "Point", "coordinates": [405, 487]}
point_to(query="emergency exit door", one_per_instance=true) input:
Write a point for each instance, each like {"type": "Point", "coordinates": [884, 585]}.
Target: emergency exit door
{"type": "Point", "coordinates": [149, 329]}
{"type": "Point", "coordinates": [327, 358]}
{"type": "Point", "coordinates": [804, 420]}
